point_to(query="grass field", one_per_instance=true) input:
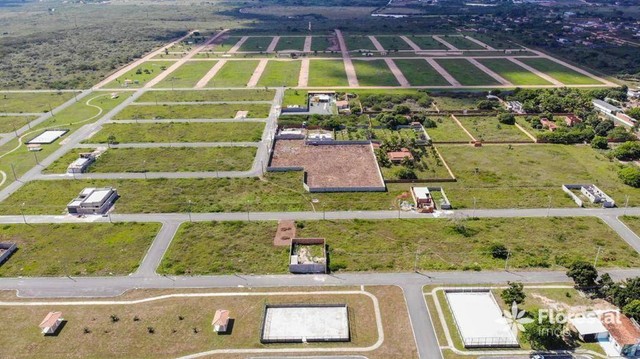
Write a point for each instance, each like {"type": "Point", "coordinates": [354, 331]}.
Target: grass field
{"type": "Point", "coordinates": [420, 73]}
{"type": "Point", "coordinates": [290, 43]}
{"type": "Point", "coordinates": [76, 249]}
{"type": "Point", "coordinates": [320, 43]}
{"type": "Point", "coordinates": [374, 73]}
{"type": "Point", "coordinates": [280, 73]}
{"type": "Point", "coordinates": [187, 75]}
{"type": "Point", "coordinates": [456, 104]}
{"type": "Point", "coordinates": [358, 43]}
{"type": "Point", "coordinates": [256, 44]}
{"type": "Point", "coordinates": [174, 159]}
{"type": "Point", "coordinates": [494, 42]}
{"type": "Point", "coordinates": [489, 129]}
{"type": "Point", "coordinates": [559, 72]}
{"type": "Point", "coordinates": [227, 44]}
{"type": "Point", "coordinates": [179, 132]}
{"type": "Point", "coordinates": [212, 95]}
{"type": "Point", "coordinates": [295, 97]}
{"type": "Point", "coordinates": [391, 245]}
{"type": "Point", "coordinates": [632, 222]}
{"type": "Point", "coordinates": [514, 73]}
{"type": "Point", "coordinates": [466, 73]}
{"type": "Point", "coordinates": [427, 43]}
{"type": "Point", "coordinates": [447, 131]}
{"type": "Point", "coordinates": [234, 74]}
{"type": "Point", "coordinates": [12, 123]}
{"type": "Point", "coordinates": [148, 71]}
{"type": "Point", "coordinates": [392, 43]}
{"type": "Point", "coordinates": [427, 166]}
{"type": "Point", "coordinates": [203, 111]}
{"type": "Point", "coordinates": [18, 102]}
{"type": "Point", "coordinates": [461, 43]}
{"type": "Point", "coordinates": [327, 73]}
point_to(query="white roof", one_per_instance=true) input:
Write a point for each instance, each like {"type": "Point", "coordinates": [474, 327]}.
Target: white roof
{"type": "Point", "coordinates": [588, 325]}
{"type": "Point", "coordinates": [98, 196]}
{"type": "Point", "coordinates": [79, 162]}
{"type": "Point", "coordinates": [47, 137]}
{"type": "Point", "coordinates": [421, 192]}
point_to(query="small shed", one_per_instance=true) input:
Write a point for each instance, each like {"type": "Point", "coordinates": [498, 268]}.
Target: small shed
{"type": "Point", "coordinates": [220, 321]}
{"type": "Point", "coordinates": [51, 322]}
{"type": "Point", "coordinates": [590, 329]}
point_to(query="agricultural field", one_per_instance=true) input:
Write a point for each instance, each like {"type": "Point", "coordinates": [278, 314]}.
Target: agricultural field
{"type": "Point", "coordinates": [420, 73]}
{"type": "Point", "coordinates": [374, 73]}
{"type": "Point", "coordinates": [447, 130]}
{"type": "Point", "coordinates": [12, 123]}
{"type": "Point", "coordinates": [280, 73]}
{"type": "Point", "coordinates": [32, 102]}
{"type": "Point", "coordinates": [393, 43]}
{"type": "Point", "coordinates": [257, 44]}
{"type": "Point", "coordinates": [286, 43]}
{"type": "Point", "coordinates": [234, 74]}
{"type": "Point", "coordinates": [164, 159]}
{"type": "Point", "coordinates": [461, 43]}
{"type": "Point", "coordinates": [466, 73]}
{"type": "Point", "coordinates": [559, 72]}
{"type": "Point", "coordinates": [358, 42]}
{"type": "Point", "coordinates": [207, 96]}
{"type": "Point", "coordinates": [140, 75]}
{"type": "Point", "coordinates": [200, 111]}
{"type": "Point", "coordinates": [179, 132]}
{"type": "Point", "coordinates": [427, 42]}
{"type": "Point", "coordinates": [187, 75]}
{"type": "Point", "coordinates": [327, 73]}
{"type": "Point", "coordinates": [76, 249]}
{"type": "Point", "coordinates": [490, 129]}
{"type": "Point", "coordinates": [514, 73]}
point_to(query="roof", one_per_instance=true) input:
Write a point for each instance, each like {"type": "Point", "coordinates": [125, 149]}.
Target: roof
{"type": "Point", "coordinates": [421, 192]}
{"type": "Point", "coordinates": [47, 137]}
{"type": "Point", "coordinates": [622, 330]}
{"type": "Point", "coordinates": [399, 155]}
{"type": "Point", "coordinates": [221, 317]}
{"type": "Point", "coordinates": [79, 162]}
{"type": "Point", "coordinates": [588, 325]}
{"type": "Point", "coordinates": [50, 319]}
{"type": "Point", "coordinates": [606, 105]}
{"type": "Point", "coordinates": [98, 196]}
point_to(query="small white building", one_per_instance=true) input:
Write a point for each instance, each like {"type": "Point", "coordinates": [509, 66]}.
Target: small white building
{"type": "Point", "coordinates": [93, 201]}
{"type": "Point", "coordinates": [590, 328]}
{"type": "Point", "coordinates": [606, 108]}
{"type": "Point", "coordinates": [220, 321]}
{"type": "Point", "coordinates": [80, 165]}
{"type": "Point", "coordinates": [422, 199]}
{"type": "Point", "coordinates": [51, 322]}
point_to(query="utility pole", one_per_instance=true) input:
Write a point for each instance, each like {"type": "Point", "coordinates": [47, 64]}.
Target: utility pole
{"type": "Point", "coordinates": [474, 207]}
{"type": "Point", "coordinates": [595, 262]}
{"type": "Point", "coordinates": [35, 154]}
{"type": "Point", "coordinates": [549, 207]}
{"type": "Point", "coordinates": [24, 218]}
{"type": "Point", "coordinates": [506, 262]}
{"type": "Point", "coordinates": [415, 262]}
{"type": "Point", "coordinates": [626, 205]}
{"type": "Point", "coordinates": [13, 169]}
{"type": "Point", "coordinates": [190, 220]}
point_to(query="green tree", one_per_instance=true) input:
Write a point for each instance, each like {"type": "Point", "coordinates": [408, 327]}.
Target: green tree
{"type": "Point", "coordinates": [405, 173]}
{"type": "Point", "coordinates": [634, 113]}
{"type": "Point", "coordinates": [632, 309]}
{"type": "Point", "coordinates": [628, 151]}
{"type": "Point", "coordinates": [600, 142]}
{"type": "Point", "coordinates": [630, 175]}
{"type": "Point", "coordinates": [542, 333]}
{"type": "Point", "coordinates": [583, 274]}
{"type": "Point", "coordinates": [507, 118]}
{"type": "Point", "coordinates": [514, 293]}
{"type": "Point", "coordinates": [499, 251]}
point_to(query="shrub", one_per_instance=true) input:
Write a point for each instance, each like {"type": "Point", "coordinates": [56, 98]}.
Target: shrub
{"type": "Point", "coordinates": [507, 119]}
{"type": "Point", "coordinates": [630, 175]}
{"type": "Point", "coordinates": [600, 142]}
{"type": "Point", "coordinates": [514, 293]}
{"type": "Point", "coordinates": [405, 173]}
{"type": "Point", "coordinates": [628, 151]}
{"type": "Point", "coordinates": [499, 251]}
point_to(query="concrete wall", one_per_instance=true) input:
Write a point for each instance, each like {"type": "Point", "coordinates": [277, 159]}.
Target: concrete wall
{"type": "Point", "coordinates": [10, 248]}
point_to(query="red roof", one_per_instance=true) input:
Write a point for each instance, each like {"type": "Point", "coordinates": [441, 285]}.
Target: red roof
{"type": "Point", "coordinates": [221, 317]}
{"type": "Point", "coordinates": [622, 330]}
{"type": "Point", "coordinates": [400, 155]}
{"type": "Point", "coordinates": [50, 319]}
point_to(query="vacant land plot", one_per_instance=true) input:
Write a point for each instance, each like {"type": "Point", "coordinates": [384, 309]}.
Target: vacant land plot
{"type": "Point", "coordinates": [456, 103]}
{"type": "Point", "coordinates": [12, 123]}
{"type": "Point", "coordinates": [327, 73]}
{"type": "Point", "coordinates": [447, 130]}
{"type": "Point", "coordinates": [140, 75]}
{"type": "Point", "coordinates": [174, 159]}
{"type": "Point", "coordinates": [204, 111]}
{"type": "Point", "coordinates": [258, 44]}
{"type": "Point", "coordinates": [490, 129]}
{"type": "Point", "coordinates": [632, 222]}
{"type": "Point", "coordinates": [234, 74]}
{"type": "Point", "coordinates": [321, 43]}
{"type": "Point", "coordinates": [461, 43]}
{"type": "Point", "coordinates": [76, 249]}
{"type": "Point", "coordinates": [212, 95]}
{"type": "Point", "coordinates": [295, 43]}
{"type": "Point", "coordinates": [179, 132]}
{"type": "Point", "coordinates": [427, 43]}
{"type": "Point", "coordinates": [466, 73]}
{"type": "Point", "coordinates": [374, 73]}
{"type": "Point", "coordinates": [559, 72]}
{"type": "Point", "coordinates": [227, 44]}
{"type": "Point", "coordinates": [393, 43]}
{"type": "Point", "coordinates": [514, 73]}
{"type": "Point", "coordinates": [427, 166]}
{"type": "Point", "coordinates": [280, 73]}
{"type": "Point", "coordinates": [420, 73]}
{"type": "Point", "coordinates": [495, 42]}
{"type": "Point", "coordinates": [358, 43]}
{"type": "Point", "coordinates": [17, 102]}
{"type": "Point", "coordinates": [187, 75]}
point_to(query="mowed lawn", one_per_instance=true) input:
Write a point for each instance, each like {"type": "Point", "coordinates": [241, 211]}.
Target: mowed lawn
{"type": "Point", "coordinates": [94, 249]}
{"type": "Point", "coordinates": [361, 42]}
{"type": "Point", "coordinates": [234, 74]}
{"type": "Point", "coordinates": [461, 43]}
{"type": "Point", "coordinates": [447, 130]}
{"type": "Point", "coordinates": [187, 75]}
{"type": "Point", "coordinates": [559, 72]}
{"type": "Point", "coordinates": [179, 132]}
{"type": "Point", "coordinates": [12, 123]}
{"type": "Point", "coordinates": [426, 42]}
{"type": "Point", "coordinates": [392, 43]}
{"type": "Point", "coordinates": [420, 73]}
{"type": "Point", "coordinates": [207, 95]}
{"type": "Point", "coordinates": [374, 73]}
{"type": "Point", "coordinates": [514, 73]}
{"type": "Point", "coordinates": [200, 111]}
{"type": "Point", "coordinates": [290, 43]}
{"type": "Point", "coordinates": [32, 102]}
{"type": "Point", "coordinates": [256, 44]}
{"type": "Point", "coordinates": [466, 73]}
{"type": "Point", "coordinates": [164, 159]}
{"type": "Point", "coordinates": [280, 73]}
{"type": "Point", "coordinates": [488, 128]}
{"type": "Point", "coordinates": [327, 73]}
{"type": "Point", "coordinates": [147, 72]}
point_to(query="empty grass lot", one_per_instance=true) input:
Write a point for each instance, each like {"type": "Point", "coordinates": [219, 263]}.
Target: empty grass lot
{"type": "Point", "coordinates": [427, 43]}
{"type": "Point", "coordinates": [280, 73]}
{"type": "Point", "coordinates": [494, 42]}
{"type": "Point", "coordinates": [632, 222]}
{"type": "Point", "coordinates": [174, 159]}
{"type": "Point", "coordinates": [514, 73]}
{"type": "Point", "coordinates": [202, 111]}
{"type": "Point", "coordinates": [320, 43]}
{"type": "Point", "coordinates": [12, 123]}
{"type": "Point", "coordinates": [154, 68]}
{"type": "Point", "coordinates": [290, 43]}
{"type": "Point", "coordinates": [360, 42]}
{"type": "Point", "coordinates": [256, 44]}
{"type": "Point", "coordinates": [420, 73]}
{"type": "Point", "coordinates": [327, 73]}
{"type": "Point", "coordinates": [203, 95]}
{"type": "Point", "coordinates": [466, 73]}
{"type": "Point", "coordinates": [392, 43]}
{"type": "Point", "coordinates": [18, 102]}
{"type": "Point", "coordinates": [234, 74]}
{"type": "Point", "coordinates": [374, 73]}
{"type": "Point", "coordinates": [559, 72]}
{"type": "Point", "coordinates": [187, 75]}
{"type": "Point", "coordinates": [461, 43]}
{"type": "Point", "coordinates": [489, 129]}
{"type": "Point", "coordinates": [456, 104]}
{"type": "Point", "coordinates": [227, 44]}
{"type": "Point", "coordinates": [391, 245]}
{"type": "Point", "coordinates": [179, 132]}
{"type": "Point", "coordinates": [76, 249]}
{"type": "Point", "coordinates": [447, 130]}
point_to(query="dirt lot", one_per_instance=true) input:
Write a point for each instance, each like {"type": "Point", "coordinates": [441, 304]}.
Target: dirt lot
{"type": "Point", "coordinates": [343, 166]}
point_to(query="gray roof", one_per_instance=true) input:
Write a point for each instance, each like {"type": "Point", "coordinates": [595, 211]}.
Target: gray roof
{"type": "Point", "coordinates": [606, 105]}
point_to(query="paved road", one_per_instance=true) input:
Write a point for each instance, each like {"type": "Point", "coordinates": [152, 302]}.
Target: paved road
{"type": "Point", "coordinates": [423, 331]}
{"type": "Point", "coordinates": [193, 120]}
{"type": "Point", "coordinates": [170, 144]}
